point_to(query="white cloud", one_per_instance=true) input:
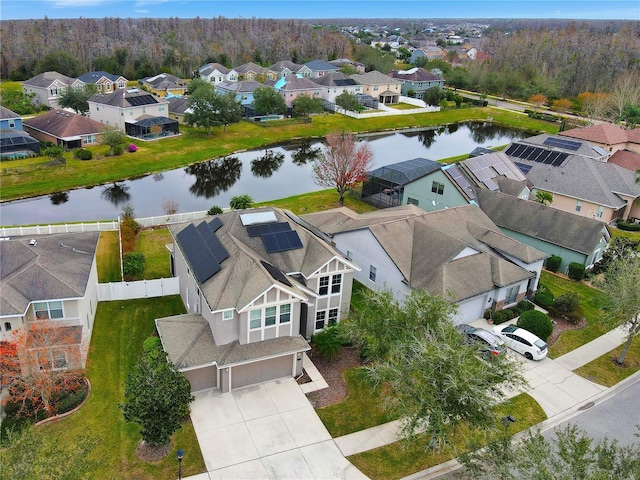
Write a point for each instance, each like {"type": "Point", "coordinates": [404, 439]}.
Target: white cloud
{"type": "Point", "coordinates": [144, 3]}
{"type": "Point", "coordinates": [141, 11]}
{"type": "Point", "coordinates": [77, 3]}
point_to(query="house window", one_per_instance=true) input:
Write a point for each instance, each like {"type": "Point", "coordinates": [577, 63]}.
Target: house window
{"type": "Point", "coordinates": [11, 124]}
{"type": "Point", "coordinates": [227, 315]}
{"type": "Point", "coordinates": [333, 316]}
{"type": "Point", "coordinates": [44, 310]}
{"type": "Point", "coordinates": [324, 286]}
{"type": "Point", "coordinates": [161, 108]}
{"type": "Point", "coordinates": [349, 255]}
{"type": "Point", "coordinates": [336, 283]}
{"type": "Point", "coordinates": [270, 316]}
{"type": "Point", "coordinates": [320, 317]}
{"type": "Point", "coordinates": [511, 296]}
{"type": "Point", "coordinates": [412, 201]}
{"type": "Point", "coordinates": [372, 273]}
{"type": "Point", "coordinates": [437, 187]}
{"type": "Point", "coordinates": [255, 319]}
{"type": "Point", "coordinates": [7, 326]}
{"type": "Point", "coordinates": [600, 211]}
{"type": "Point", "coordinates": [285, 313]}
{"type": "Point", "coordinates": [579, 205]}
{"type": "Point", "coordinates": [52, 360]}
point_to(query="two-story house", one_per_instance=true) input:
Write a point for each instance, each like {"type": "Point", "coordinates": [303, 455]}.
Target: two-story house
{"type": "Point", "coordinates": [382, 87]}
{"type": "Point", "coordinates": [216, 73]}
{"type": "Point", "coordinates": [48, 86]}
{"type": "Point", "coordinates": [242, 90]}
{"type": "Point", "coordinates": [320, 68]}
{"type": "Point", "coordinates": [164, 84]}
{"type": "Point", "coordinates": [292, 86]}
{"type": "Point", "coordinates": [335, 84]}
{"type": "Point", "coordinates": [256, 284]}
{"type": "Point", "coordinates": [122, 106]}
{"type": "Point", "coordinates": [252, 71]}
{"type": "Point", "coordinates": [416, 81]}
{"type": "Point", "coordinates": [105, 82]}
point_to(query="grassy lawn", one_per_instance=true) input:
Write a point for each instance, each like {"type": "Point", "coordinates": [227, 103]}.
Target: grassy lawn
{"type": "Point", "coordinates": [397, 460]}
{"type": "Point", "coordinates": [590, 299]}
{"type": "Point", "coordinates": [604, 371]}
{"type": "Point", "coordinates": [360, 410]}
{"type": "Point", "coordinates": [152, 244]}
{"type": "Point", "coordinates": [31, 177]}
{"type": "Point", "coordinates": [616, 232]}
{"type": "Point", "coordinates": [316, 202]}
{"type": "Point", "coordinates": [108, 257]}
{"type": "Point", "coordinates": [119, 330]}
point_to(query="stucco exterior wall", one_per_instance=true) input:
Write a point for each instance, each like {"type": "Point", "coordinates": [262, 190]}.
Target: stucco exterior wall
{"type": "Point", "coordinates": [587, 209]}
{"type": "Point", "coordinates": [420, 190]}
{"type": "Point", "coordinates": [116, 116]}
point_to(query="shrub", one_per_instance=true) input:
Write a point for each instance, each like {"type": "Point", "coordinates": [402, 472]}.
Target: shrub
{"type": "Point", "coordinates": [117, 150]}
{"type": "Point", "coordinates": [215, 210]}
{"type": "Point", "coordinates": [630, 227]}
{"type": "Point", "coordinates": [553, 263]}
{"type": "Point", "coordinates": [537, 323]}
{"type": "Point", "coordinates": [524, 306]}
{"type": "Point", "coordinates": [133, 264]}
{"type": "Point", "coordinates": [132, 148]}
{"type": "Point", "coordinates": [544, 297]}
{"type": "Point", "coordinates": [151, 343]}
{"type": "Point", "coordinates": [82, 154]}
{"type": "Point", "coordinates": [576, 271]}
{"type": "Point", "coordinates": [328, 342]}
{"type": "Point", "coordinates": [241, 202]}
{"type": "Point", "coordinates": [501, 316]}
{"type": "Point", "coordinates": [568, 306]}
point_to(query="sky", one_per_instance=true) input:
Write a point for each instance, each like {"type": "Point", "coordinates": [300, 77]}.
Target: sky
{"type": "Point", "coordinates": [310, 9]}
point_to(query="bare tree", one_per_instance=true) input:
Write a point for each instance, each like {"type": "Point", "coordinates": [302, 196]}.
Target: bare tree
{"type": "Point", "coordinates": [170, 206]}
{"type": "Point", "coordinates": [343, 163]}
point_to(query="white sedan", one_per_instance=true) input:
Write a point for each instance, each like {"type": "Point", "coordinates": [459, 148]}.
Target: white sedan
{"type": "Point", "coordinates": [522, 341]}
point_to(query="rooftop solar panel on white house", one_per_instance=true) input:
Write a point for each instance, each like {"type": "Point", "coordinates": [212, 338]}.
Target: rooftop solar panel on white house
{"type": "Point", "coordinates": [259, 217]}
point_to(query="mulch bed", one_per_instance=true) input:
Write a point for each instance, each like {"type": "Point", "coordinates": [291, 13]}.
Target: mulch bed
{"type": "Point", "coordinates": [332, 371]}
{"type": "Point", "coordinates": [149, 453]}
{"type": "Point", "coordinates": [561, 325]}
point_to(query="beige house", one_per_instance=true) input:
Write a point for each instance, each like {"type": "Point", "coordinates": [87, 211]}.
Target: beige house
{"type": "Point", "coordinates": [48, 86]}
{"type": "Point", "coordinates": [382, 87]}
{"type": "Point", "coordinates": [124, 106]}
{"type": "Point", "coordinates": [608, 136]}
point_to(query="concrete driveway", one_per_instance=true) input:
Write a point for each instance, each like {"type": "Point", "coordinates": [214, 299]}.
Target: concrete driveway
{"type": "Point", "coordinates": [267, 431]}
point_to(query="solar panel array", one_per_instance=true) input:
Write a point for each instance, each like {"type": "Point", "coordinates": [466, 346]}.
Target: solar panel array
{"type": "Point", "coordinates": [485, 167]}
{"type": "Point", "coordinates": [562, 143]}
{"type": "Point", "coordinates": [203, 248]}
{"type": "Point", "coordinates": [281, 241]}
{"type": "Point", "coordinates": [275, 273]}
{"type": "Point", "coordinates": [458, 177]}
{"type": "Point", "coordinates": [344, 82]}
{"type": "Point", "coordinates": [261, 229]}
{"type": "Point", "coordinates": [537, 154]}
{"type": "Point", "coordinates": [524, 168]}
{"type": "Point", "coordinates": [137, 100]}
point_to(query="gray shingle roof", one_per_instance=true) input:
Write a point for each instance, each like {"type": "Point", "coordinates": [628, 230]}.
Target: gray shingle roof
{"type": "Point", "coordinates": [375, 78]}
{"type": "Point", "coordinates": [188, 341]}
{"type": "Point", "coordinates": [178, 104]}
{"type": "Point", "coordinates": [93, 77]}
{"type": "Point", "coordinates": [57, 267]}
{"type": "Point", "coordinates": [414, 75]}
{"type": "Point", "coordinates": [123, 99]}
{"type": "Point", "coordinates": [63, 124]}
{"type": "Point", "coordinates": [240, 87]}
{"type": "Point", "coordinates": [546, 223]}
{"type": "Point", "coordinates": [164, 81]}
{"type": "Point", "coordinates": [335, 79]}
{"type": "Point", "coordinates": [47, 78]}
{"type": "Point", "coordinates": [296, 83]}
{"type": "Point", "coordinates": [321, 66]}
{"type": "Point", "coordinates": [6, 114]}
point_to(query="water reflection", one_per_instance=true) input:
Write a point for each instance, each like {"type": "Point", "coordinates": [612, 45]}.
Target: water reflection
{"type": "Point", "coordinates": [305, 153]}
{"type": "Point", "coordinates": [483, 132]}
{"type": "Point", "coordinates": [59, 198]}
{"type": "Point", "coordinates": [267, 164]}
{"type": "Point", "coordinates": [116, 194]}
{"type": "Point", "coordinates": [427, 137]}
{"type": "Point", "coordinates": [158, 177]}
{"type": "Point", "coordinates": [214, 176]}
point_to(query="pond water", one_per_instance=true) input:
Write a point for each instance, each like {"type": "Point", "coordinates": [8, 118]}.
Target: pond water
{"type": "Point", "coordinates": [263, 174]}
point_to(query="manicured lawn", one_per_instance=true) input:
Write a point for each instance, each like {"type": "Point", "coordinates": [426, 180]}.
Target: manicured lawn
{"type": "Point", "coordinates": [119, 330]}
{"type": "Point", "coordinates": [108, 257]}
{"type": "Point", "coordinates": [616, 232]}
{"type": "Point", "coordinates": [604, 371]}
{"type": "Point", "coordinates": [317, 201]}
{"type": "Point", "coordinates": [398, 460]}
{"type": "Point", "coordinates": [152, 244]}
{"type": "Point", "coordinates": [33, 177]}
{"type": "Point", "coordinates": [360, 410]}
{"type": "Point", "coordinates": [590, 299]}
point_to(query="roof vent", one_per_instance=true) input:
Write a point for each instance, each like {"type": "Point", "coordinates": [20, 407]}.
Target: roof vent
{"type": "Point", "coordinates": [33, 242]}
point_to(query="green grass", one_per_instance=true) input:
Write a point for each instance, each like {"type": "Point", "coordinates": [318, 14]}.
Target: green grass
{"type": "Point", "coordinates": [590, 300]}
{"type": "Point", "coordinates": [152, 244]}
{"type": "Point", "coordinates": [119, 330]}
{"type": "Point", "coordinates": [32, 177]}
{"type": "Point", "coordinates": [317, 201]}
{"type": "Point", "coordinates": [616, 232]}
{"type": "Point", "coordinates": [108, 257]}
{"type": "Point", "coordinates": [398, 460]}
{"type": "Point", "coordinates": [605, 371]}
{"type": "Point", "coordinates": [360, 410]}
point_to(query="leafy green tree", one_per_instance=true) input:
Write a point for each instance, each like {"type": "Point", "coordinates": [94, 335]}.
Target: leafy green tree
{"type": "Point", "coordinates": [241, 202]}
{"type": "Point", "coordinates": [61, 62]}
{"type": "Point", "coordinates": [133, 264]}
{"type": "Point", "coordinates": [436, 380]}
{"type": "Point", "coordinates": [305, 105]}
{"type": "Point", "coordinates": [630, 115]}
{"type": "Point", "coordinates": [77, 99]}
{"type": "Point", "coordinates": [568, 456]}
{"type": "Point", "coordinates": [55, 155]}
{"type": "Point", "coordinates": [348, 101]}
{"type": "Point", "coordinates": [433, 96]}
{"type": "Point", "coordinates": [18, 102]}
{"type": "Point", "coordinates": [267, 101]}
{"type": "Point", "coordinates": [404, 54]}
{"type": "Point", "coordinates": [543, 197]}
{"type": "Point", "coordinates": [156, 397]}
{"type": "Point", "coordinates": [207, 108]}
{"type": "Point", "coordinates": [114, 138]}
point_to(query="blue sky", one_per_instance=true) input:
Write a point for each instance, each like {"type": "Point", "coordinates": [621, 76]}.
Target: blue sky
{"type": "Point", "coordinates": [570, 9]}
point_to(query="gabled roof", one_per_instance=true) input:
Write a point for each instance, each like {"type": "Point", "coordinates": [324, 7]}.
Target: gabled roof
{"type": "Point", "coordinates": [321, 66]}
{"type": "Point", "coordinates": [335, 79]}
{"type": "Point", "coordinates": [242, 275]}
{"type": "Point", "coordinates": [178, 104]}
{"type": "Point", "coordinates": [574, 232]}
{"type": "Point", "coordinates": [245, 86]}
{"type": "Point", "coordinates": [250, 67]}
{"type": "Point", "coordinates": [292, 83]}
{"type": "Point", "coordinates": [63, 124]}
{"type": "Point", "coordinates": [626, 159]}
{"type": "Point", "coordinates": [93, 77]}
{"type": "Point", "coordinates": [164, 81]}
{"type": "Point", "coordinates": [126, 98]}
{"type": "Point", "coordinates": [604, 133]}
{"type": "Point", "coordinates": [57, 267]}
{"type": "Point", "coordinates": [281, 65]}
{"type": "Point", "coordinates": [6, 114]}
{"type": "Point", "coordinates": [45, 79]}
{"type": "Point", "coordinates": [572, 147]}
{"type": "Point", "coordinates": [210, 67]}
{"type": "Point", "coordinates": [375, 78]}
{"type": "Point", "coordinates": [403, 173]}
{"type": "Point", "coordinates": [414, 75]}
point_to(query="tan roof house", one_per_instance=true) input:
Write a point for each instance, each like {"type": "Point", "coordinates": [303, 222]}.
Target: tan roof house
{"type": "Point", "coordinates": [607, 135]}
{"type": "Point", "coordinates": [164, 84]}
{"type": "Point", "coordinates": [382, 87]}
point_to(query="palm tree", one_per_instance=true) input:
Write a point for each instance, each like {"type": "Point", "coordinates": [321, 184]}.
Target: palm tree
{"type": "Point", "coordinates": [543, 197]}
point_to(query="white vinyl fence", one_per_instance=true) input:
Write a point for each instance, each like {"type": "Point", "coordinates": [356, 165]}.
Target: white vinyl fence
{"type": "Point", "coordinates": [139, 289]}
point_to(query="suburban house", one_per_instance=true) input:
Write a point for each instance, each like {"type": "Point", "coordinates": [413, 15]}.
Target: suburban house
{"type": "Point", "coordinates": [556, 143]}
{"type": "Point", "coordinates": [383, 88]}
{"type": "Point", "coordinates": [65, 129]}
{"type": "Point", "coordinates": [347, 62]}
{"type": "Point", "coordinates": [582, 185]}
{"type": "Point", "coordinates": [48, 86]}
{"type": "Point", "coordinates": [429, 52]}
{"type": "Point", "coordinates": [242, 90]}
{"type": "Point", "coordinates": [256, 284]}
{"type": "Point", "coordinates": [121, 106]}
{"type": "Point", "coordinates": [457, 253]}
{"type": "Point", "coordinates": [626, 159]}
{"type": "Point", "coordinates": [284, 68]}
{"type": "Point", "coordinates": [251, 71]}
{"type": "Point", "coordinates": [573, 238]}
{"type": "Point", "coordinates": [216, 73]}
{"type": "Point", "coordinates": [319, 68]}
{"type": "Point", "coordinates": [416, 81]}
{"type": "Point", "coordinates": [608, 136]}
{"type": "Point", "coordinates": [292, 86]}
{"type": "Point", "coordinates": [164, 84]}
{"type": "Point", "coordinates": [9, 119]}
{"type": "Point", "coordinates": [177, 107]}
{"type": "Point", "coordinates": [17, 144]}
{"type": "Point", "coordinates": [105, 82]}
{"type": "Point", "coordinates": [51, 277]}
{"type": "Point", "coordinates": [336, 83]}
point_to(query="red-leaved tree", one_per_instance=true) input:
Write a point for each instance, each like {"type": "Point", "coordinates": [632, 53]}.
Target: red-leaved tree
{"type": "Point", "coordinates": [343, 163]}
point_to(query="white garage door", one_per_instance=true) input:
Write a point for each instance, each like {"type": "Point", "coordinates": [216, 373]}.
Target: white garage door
{"type": "Point", "coordinates": [470, 310]}
{"type": "Point", "coordinates": [257, 372]}
{"type": "Point", "coordinates": [202, 378]}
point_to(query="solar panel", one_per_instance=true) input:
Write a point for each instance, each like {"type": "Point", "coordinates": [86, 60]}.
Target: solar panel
{"type": "Point", "coordinates": [524, 168]}
{"type": "Point", "coordinates": [215, 224]}
{"type": "Point", "coordinates": [201, 259]}
{"type": "Point", "coordinates": [560, 160]}
{"type": "Point", "coordinates": [217, 249]}
{"type": "Point", "coordinates": [275, 273]}
{"type": "Point", "coordinates": [562, 143]}
{"type": "Point", "coordinates": [141, 100]}
{"type": "Point", "coordinates": [281, 241]}
{"type": "Point", "coordinates": [261, 229]}
{"type": "Point", "coordinates": [344, 82]}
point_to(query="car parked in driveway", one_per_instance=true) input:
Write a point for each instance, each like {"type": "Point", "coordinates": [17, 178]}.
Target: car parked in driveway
{"type": "Point", "coordinates": [522, 341]}
{"type": "Point", "coordinates": [488, 343]}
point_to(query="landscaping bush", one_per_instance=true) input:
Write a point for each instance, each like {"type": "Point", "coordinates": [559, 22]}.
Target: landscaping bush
{"type": "Point", "coordinates": [576, 271]}
{"type": "Point", "coordinates": [524, 306]}
{"type": "Point", "coordinates": [553, 263]}
{"type": "Point", "coordinates": [568, 306]}
{"type": "Point", "coordinates": [151, 344]}
{"type": "Point", "coordinates": [501, 316]}
{"type": "Point", "coordinates": [117, 150]}
{"type": "Point", "coordinates": [328, 342]}
{"type": "Point", "coordinates": [241, 202]}
{"type": "Point", "coordinates": [628, 226]}
{"type": "Point", "coordinates": [544, 297]}
{"type": "Point", "coordinates": [132, 148]}
{"type": "Point", "coordinates": [129, 228]}
{"type": "Point", "coordinates": [215, 210]}
{"type": "Point", "coordinates": [133, 264]}
{"type": "Point", "coordinates": [82, 154]}
{"type": "Point", "coordinates": [537, 323]}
